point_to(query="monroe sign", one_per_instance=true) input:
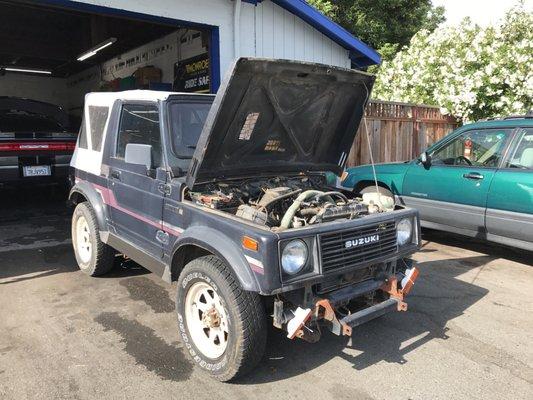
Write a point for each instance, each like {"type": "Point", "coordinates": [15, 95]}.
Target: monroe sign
{"type": "Point", "coordinates": [192, 74]}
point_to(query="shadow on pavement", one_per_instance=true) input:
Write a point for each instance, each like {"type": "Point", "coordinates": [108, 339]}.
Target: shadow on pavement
{"type": "Point", "coordinates": [19, 266]}
{"type": "Point", "coordinates": [34, 231]}
{"type": "Point", "coordinates": [147, 348]}
{"type": "Point", "coordinates": [34, 226]}
{"type": "Point", "coordinates": [23, 203]}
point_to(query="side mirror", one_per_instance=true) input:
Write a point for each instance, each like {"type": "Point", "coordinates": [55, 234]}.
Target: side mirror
{"type": "Point", "coordinates": [425, 159]}
{"type": "Point", "coordinates": [139, 154]}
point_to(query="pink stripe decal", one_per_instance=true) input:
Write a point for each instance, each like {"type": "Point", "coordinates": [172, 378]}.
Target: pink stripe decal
{"type": "Point", "coordinates": [109, 199]}
{"type": "Point", "coordinates": [173, 230]}
{"type": "Point", "coordinates": [256, 268]}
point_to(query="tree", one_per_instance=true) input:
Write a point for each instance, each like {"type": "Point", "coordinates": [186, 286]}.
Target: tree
{"type": "Point", "coordinates": [386, 25]}
{"type": "Point", "coordinates": [469, 71]}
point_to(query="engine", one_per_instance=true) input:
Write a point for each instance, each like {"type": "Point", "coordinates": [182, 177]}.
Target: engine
{"type": "Point", "coordinates": [288, 202]}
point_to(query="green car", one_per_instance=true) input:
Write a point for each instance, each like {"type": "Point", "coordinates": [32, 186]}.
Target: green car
{"type": "Point", "coordinates": [477, 181]}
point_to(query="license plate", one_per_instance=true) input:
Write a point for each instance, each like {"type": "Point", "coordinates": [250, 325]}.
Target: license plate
{"type": "Point", "coordinates": [37, 170]}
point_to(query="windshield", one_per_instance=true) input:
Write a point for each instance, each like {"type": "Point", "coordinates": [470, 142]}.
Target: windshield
{"type": "Point", "coordinates": [22, 121]}
{"type": "Point", "coordinates": [187, 119]}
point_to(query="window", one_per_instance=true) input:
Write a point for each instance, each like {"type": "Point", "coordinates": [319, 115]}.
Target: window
{"type": "Point", "coordinates": [187, 119]}
{"type": "Point", "coordinates": [480, 148]}
{"type": "Point", "coordinates": [97, 120]}
{"type": "Point", "coordinates": [522, 156]}
{"type": "Point", "coordinates": [82, 137]}
{"type": "Point", "coordinates": [139, 123]}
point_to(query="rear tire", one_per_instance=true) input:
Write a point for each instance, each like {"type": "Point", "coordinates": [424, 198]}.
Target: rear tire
{"type": "Point", "coordinates": [222, 326]}
{"type": "Point", "coordinates": [94, 257]}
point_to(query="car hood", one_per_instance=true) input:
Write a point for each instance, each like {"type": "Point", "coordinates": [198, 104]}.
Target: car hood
{"type": "Point", "coordinates": [272, 116]}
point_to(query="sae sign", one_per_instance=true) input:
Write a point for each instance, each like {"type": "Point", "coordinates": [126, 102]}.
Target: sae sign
{"type": "Point", "coordinates": [192, 75]}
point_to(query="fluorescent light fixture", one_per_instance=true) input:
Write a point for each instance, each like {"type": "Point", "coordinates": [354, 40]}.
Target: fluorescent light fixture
{"type": "Point", "coordinates": [27, 70]}
{"type": "Point", "coordinates": [96, 49]}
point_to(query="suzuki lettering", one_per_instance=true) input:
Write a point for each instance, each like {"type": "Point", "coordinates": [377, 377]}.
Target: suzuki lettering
{"type": "Point", "coordinates": [361, 241]}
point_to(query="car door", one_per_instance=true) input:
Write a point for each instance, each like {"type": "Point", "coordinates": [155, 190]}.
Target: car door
{"type": "Point", "coordinates": [137, 192]}
{"type": "Point", "coordinates": [509, 215]}
{"type": "Point", "coordinates": [451, 192]}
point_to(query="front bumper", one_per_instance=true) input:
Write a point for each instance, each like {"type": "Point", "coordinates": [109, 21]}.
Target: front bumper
{"type": "Point", "coordinates": [326, 310]}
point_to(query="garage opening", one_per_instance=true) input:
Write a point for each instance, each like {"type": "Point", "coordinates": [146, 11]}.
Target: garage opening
{"type": "Point", "coordinates": [57, 54]}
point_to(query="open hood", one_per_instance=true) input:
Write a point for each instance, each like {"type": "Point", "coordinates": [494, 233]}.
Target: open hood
{"type": "Point", "coordinates": [272, 117]}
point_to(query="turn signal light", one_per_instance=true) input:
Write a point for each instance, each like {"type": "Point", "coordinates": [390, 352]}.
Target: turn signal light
{"type": "Point", "coordinates": [249, 243]}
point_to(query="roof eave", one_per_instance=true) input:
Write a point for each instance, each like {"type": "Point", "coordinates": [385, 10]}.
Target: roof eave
{"type": "Point", "coordinates": [361, 54]}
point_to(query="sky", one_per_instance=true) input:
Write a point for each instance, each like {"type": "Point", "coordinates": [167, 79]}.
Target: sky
{"type": "Point", "coordinates": [482, 12]}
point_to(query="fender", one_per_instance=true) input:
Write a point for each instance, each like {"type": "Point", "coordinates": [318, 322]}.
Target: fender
{"type": "Point", "coordinates": [390, 175]}
{"type": "Point", "coordinates": [223, 247]}
{"type": "Point", "coordinates": [95, 200]}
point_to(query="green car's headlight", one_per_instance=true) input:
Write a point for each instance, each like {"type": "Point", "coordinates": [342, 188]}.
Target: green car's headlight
{"type": "Point", "coordinates": [404, 231]}
{"type": "Point", "coordinates": [294, 257]}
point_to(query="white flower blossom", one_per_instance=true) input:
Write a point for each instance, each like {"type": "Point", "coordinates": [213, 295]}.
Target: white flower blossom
{"type": "Point", "coordinates": [468, 71]}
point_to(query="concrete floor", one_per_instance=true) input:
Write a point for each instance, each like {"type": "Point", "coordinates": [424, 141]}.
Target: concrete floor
{"type": "Point", "coordinates": [467, 334]}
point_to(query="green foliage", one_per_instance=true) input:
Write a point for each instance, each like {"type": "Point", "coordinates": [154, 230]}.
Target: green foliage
{"type": "Point", "coordinates": [469, 71]}
{"type": "Point", "coordinates": [386, 25]}
{"type": "Point", "coordinates": [326, 7]}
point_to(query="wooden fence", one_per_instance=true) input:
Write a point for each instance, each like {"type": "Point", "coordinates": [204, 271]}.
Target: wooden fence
{"type": "Point", "coordinates": [398, 131]}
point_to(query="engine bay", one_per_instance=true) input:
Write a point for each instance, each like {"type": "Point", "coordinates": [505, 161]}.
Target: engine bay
{"type": "Point", "coordinates": [281, 203]}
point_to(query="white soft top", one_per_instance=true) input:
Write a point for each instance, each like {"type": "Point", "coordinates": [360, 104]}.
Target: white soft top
{"type": "Point", "coordinates": [108, 98]}
{"type": "Point", "coordinates": [96, 115]}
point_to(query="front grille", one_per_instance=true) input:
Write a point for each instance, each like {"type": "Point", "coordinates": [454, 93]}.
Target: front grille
{"type": "Point", "coordinates": [335, 255]}
{"type": "Point", "coordinates": [334, 282]}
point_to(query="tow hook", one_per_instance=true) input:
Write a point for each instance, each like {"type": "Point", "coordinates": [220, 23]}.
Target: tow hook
{"type": "Point", "coordinates": [324, 310]}
{"type": "Point", "coordinates": [391, 287]}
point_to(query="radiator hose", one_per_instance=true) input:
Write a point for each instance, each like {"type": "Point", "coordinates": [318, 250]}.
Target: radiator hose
{"type": "Point", "coordinates": [286, 221]}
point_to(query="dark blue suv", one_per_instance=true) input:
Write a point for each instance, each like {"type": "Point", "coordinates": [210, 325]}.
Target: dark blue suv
{"type": "Point", "coordinates": [227, 195]}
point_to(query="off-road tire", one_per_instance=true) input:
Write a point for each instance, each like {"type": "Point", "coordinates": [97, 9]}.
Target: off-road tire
{"type": "Point", "coordinates": [102, 256]}
{"type": "Point", "coordinates": [246, 319]}
{"type": "Point", "coordinates": [372, 189]}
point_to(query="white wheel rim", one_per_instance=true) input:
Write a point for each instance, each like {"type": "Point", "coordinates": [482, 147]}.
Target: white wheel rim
{"type": "Point", "coordinates": [83, 239]}
{"type": "Point", "coordinates": [206, 320]}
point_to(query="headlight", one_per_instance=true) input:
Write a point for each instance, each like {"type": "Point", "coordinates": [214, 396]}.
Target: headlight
{"type": "Point", "coordinates": [294, 257]}
{"type": "Point", "coordinates": [404, 231]}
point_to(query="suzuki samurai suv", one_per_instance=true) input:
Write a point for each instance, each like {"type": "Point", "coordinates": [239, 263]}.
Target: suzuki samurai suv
{"type": "Point", "coordinates": [227, 195]}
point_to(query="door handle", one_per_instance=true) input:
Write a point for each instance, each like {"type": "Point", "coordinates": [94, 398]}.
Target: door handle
{"type": "Point", "coordinates": [473, 175]}
{"type": "Point", "coordinates": [115, 175]}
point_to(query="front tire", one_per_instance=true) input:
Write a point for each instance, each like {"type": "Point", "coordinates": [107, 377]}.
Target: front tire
{"type": "Point", "coordinates": [93, 256]}
{"type": "Point", "coordinates": [222, 326]}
